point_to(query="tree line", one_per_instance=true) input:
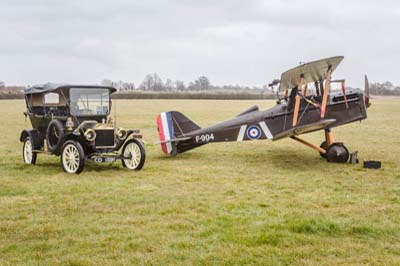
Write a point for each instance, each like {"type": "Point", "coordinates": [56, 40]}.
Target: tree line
{"type": "Point", "coordinates": [386, 88]}
{"type": "Point", "coordinates": [153, 82]}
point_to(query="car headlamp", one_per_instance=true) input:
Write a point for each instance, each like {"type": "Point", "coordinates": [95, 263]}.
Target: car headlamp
{"type": "Point", "coordinates": [90, 134]}
{"type": "Point", "coordinates": [122, 133]}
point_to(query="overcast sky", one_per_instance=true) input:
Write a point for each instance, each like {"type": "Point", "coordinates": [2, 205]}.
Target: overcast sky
{"type": "Point", "coordinates": [247, 42]}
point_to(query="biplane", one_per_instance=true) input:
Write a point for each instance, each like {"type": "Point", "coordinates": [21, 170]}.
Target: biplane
{"type": "Point", "coordinates": [306, 103]}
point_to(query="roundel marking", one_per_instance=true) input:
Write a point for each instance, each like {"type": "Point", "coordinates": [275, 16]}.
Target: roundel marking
{"type": "Point", "coordinates": [253, 132]}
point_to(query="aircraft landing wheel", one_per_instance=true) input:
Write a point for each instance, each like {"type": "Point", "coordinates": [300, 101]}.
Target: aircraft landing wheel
{"type": "Point", "coordinates": [324, 146]}
{"type": "Point", "coordinates": [337, 153]}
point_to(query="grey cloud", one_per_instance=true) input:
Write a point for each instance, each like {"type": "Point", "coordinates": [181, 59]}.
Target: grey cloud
{"type": "Point", "coordinates": [245, 42]}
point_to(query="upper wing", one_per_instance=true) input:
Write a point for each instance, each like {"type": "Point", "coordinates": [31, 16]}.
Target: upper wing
{"type": "Point", "coordinates": [313, 71]}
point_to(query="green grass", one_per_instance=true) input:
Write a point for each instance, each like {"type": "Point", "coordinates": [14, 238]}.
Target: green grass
{"type": "Point", "coordinates": [253, 203]}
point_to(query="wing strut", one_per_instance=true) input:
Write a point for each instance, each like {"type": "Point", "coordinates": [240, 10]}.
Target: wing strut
{"type": "Point", "coordinates": [326, 92]}
{"type": "Point", "coordinates": [343, 83]}
{"type": "Point", "coordinates": [297, 103]}
{"type": "Point", "coordinates": [305, 90]}
{"type": "Point", "coordinates": [344, 93]}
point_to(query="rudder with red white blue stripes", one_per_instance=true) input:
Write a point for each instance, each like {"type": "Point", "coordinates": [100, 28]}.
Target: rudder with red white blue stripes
{"type": "Point", "coordinates": [166, 131]}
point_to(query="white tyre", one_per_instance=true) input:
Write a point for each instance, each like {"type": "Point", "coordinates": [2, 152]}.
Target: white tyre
{"type": "Point", "coordinates": [135, 155]}
{"type": "Point", "coordinates": [28, 154]}
{"type": "Point", "coordinates": [72, 157]}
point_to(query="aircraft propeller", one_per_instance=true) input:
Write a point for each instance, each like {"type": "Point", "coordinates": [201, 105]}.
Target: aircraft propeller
{"type": "Point", "coordinates": [366, 92]}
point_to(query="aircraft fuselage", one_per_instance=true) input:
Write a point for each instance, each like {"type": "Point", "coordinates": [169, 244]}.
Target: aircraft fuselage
{"type": "Point", "coordinates": [276, 122]}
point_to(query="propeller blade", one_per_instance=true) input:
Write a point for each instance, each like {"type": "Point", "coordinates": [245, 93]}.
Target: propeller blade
{"type": "Point", "coordinates": [366, 92]}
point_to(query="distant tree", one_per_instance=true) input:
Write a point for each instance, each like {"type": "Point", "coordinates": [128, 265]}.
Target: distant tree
{"type": "Point", "coordinates": [169, 85]}
{"type": "Point", "coordinates": [180, 85]}
{"type": "Point", "coordinates": [267, 89]}
{"type": "Point", "coordinates": [386, 88]}
{"type": "Point", "coordinates": [387, 85]}
{"type": "Point", "coordinates": [119, 85]}
{"type": "Point", "coordinates": [152, 82]}
{"type": "Point", "coordinates": [147, 83]}
{"type": "Point", "coordinates": [2, 84]}
{"type": "Point", "coordinates": [191, 86]}
{"type": "Point", "coordinates": [202, 83]}
{"type": "Point", "coordinates": [128, 86]}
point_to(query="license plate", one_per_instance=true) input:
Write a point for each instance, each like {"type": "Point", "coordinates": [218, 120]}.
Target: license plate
{"type": "Point", "coordinates": [104, 159]}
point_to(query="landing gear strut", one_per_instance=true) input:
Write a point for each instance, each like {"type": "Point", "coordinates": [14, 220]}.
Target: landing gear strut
{"type": "Point", "coordinates": [336, 152]}
{"type": "Point", "coordinates": [330, 150]}
{"type": "Point", "coordinates": [323, 146]}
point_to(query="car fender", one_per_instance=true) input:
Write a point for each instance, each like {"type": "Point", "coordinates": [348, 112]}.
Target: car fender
{"type": "Point", "coordinates": [78, 138]}
{"type": "Point", "coordinates": [131, 134]}
{"type": "Point", "coordinates": [35, 137]}
{"type": "Point", "coordinates": [134, 134]}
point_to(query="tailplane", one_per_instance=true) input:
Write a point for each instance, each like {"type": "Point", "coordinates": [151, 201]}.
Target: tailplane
{"type": "Point", "coordinates": [172, 129]}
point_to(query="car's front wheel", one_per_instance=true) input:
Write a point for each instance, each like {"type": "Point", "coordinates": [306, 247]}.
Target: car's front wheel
{"type": "Point", "coordinates": [134, 155]}
{"type": "Point", "coordinates": [28, 154]}
{"type": "Point", "coordinates": [72, 157]}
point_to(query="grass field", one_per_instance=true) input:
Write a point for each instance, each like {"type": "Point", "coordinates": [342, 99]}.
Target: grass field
{"type": "Point", "coordinates": [253, 203]}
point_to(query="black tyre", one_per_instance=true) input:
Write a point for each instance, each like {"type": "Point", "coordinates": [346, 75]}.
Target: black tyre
{"type": "Point", "coordinates": [324, 146]}
{"type": "Point", "coordinates": [337, 153]}
{"type": "Point", "coordinates": [72, 157]}
{"type": "Point", "coordinates": [134, 149]}
{"type": "Point", "coordinates": [28, 155]}
{"type": "Point", "coordinates": [54, 136]}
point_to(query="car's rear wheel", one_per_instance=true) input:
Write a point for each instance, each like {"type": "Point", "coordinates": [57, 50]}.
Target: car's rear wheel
{"type": "Point", "coordinates": [135, 155]}
{"type": "Point", "coordinates": [28, 154]}
{"type": "Point", "coordinates": [72, 157]}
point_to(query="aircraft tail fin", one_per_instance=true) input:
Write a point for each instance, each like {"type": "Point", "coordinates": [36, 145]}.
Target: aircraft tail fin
{"type": "Point", "coordinates": [172, 128]}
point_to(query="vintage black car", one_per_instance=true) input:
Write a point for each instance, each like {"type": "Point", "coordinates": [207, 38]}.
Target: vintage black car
{"type": "Point", "coordinates": [74, 122]}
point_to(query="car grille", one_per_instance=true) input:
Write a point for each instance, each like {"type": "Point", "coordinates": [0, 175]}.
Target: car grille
{"type": "Point", "coordinates": [105, 138]}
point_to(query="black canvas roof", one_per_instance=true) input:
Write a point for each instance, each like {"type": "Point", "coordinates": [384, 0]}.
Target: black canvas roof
{"type": "Point", "coordinates": [49, 87]}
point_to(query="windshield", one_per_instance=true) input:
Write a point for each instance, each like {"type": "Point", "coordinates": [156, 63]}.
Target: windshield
{"type": "Point", "coordinates": [89, 101]}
